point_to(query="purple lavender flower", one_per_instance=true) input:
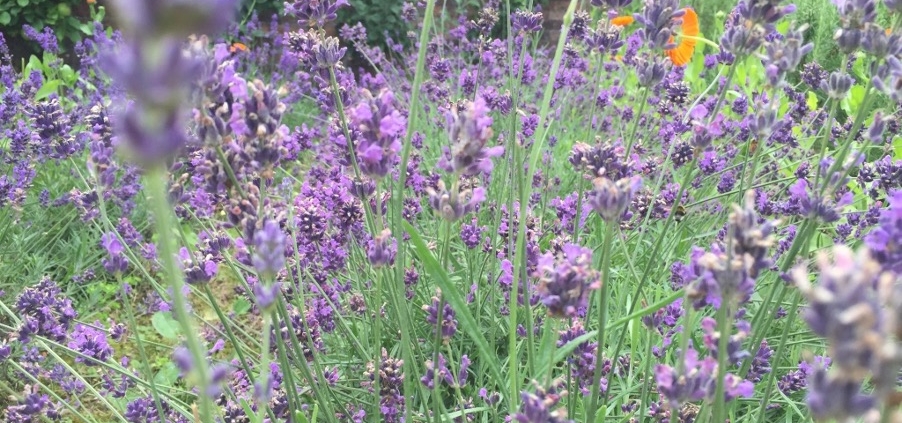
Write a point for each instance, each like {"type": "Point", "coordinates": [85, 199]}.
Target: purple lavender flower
{"type": "Point", "coordinates": [885, 241]}
{"type": "Point", "coordinates": [582, 360]}
{"type": "Point", "coordinates": [380, 127]}
{"type": "Point", "coordinates": [454, 204]}
{"type": "Point", "coordinates": [90, 342]}
{"type": "Point", "coordinates": [783, 56]}
{"type": "Point", "coordinates": [46, 38]}
{"type": "Point", "coordinates": [381, 250]}
{"type": "Point", "coordinates": [115, 262]}
{"type": "Point", "coordinates": [855, 15]}
{"type": "Point", "coordinates": [658, 19]}
{"type": "Point", "coordinates": [610, 199]}
{"type": "Point", "coordinates": [314, 12]}
{"type": "Point", "coordinates": [391, 381]}
{"type": "Point", "coordinates": [269, 252]}
{"type": "Point", "coordinates": [469, 130]}
{"type": "Point", "coordinates": [199, 268]}
{"type": "Point", "coordinates": [44, 312]}
{"type": "Point", "coordinates": [31, 408]}
{"type": "Point", "coordinates": [697, 381]}
{"type": "Point", "coordinates": [445, 312]}
{"type": "Point", "coordinates": [566, 279]}
{"type": "Point", "coordinates": [538, 407]}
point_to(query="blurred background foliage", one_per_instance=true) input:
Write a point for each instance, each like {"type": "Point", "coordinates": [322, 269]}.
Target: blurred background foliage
{"type": "Point", "coordinates": [70, 19]}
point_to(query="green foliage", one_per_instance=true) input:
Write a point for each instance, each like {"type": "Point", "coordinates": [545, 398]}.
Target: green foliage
{"type": "Point", "coordinates": [60, 15]}
{"type": "Point", "coordinates": [380, 17]}
{"type": "Point", "coordinates": [264, 8]}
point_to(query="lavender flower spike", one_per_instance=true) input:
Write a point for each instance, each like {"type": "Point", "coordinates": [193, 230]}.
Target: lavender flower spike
{"type": "Point", "coordinates": [610, 199]}
{"type": "Point", "coordinates": [469, 130]}
{"type": "Point", "coordinates": [566, 279]}
{"type": "Point", "coordinates": [269, 251]}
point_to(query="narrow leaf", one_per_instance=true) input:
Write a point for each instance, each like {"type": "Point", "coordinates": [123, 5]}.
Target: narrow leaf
{"type": "Point", "coordinates": [453, 296]}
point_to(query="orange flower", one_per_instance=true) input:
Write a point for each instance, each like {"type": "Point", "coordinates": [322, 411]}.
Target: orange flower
{"type": "Point", "coordinates": [236, 46]}
{"type": "Point", "coordinates": [92, 1]}
{"type": "Point", "coordinates": [681, 55]}
{"type": "Point", "coordinates": [622, 20]}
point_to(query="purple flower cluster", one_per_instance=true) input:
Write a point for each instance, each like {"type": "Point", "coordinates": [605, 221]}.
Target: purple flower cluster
{"type": "Point", "coordinates": [566, 279]}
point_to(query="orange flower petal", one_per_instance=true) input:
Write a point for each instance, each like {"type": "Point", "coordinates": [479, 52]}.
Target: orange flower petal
{"type": "Point", "coordinates": [237, 47]}
{"type": "Point", "coordinates": [622, 20]}
{"type": "Point", "coordinates": [681, 55]}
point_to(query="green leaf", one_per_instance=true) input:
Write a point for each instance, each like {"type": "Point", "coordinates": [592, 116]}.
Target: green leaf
{"type": "Point", "coordinates": [167, 375]}
{"type": "Point", "coordinates": [22, 3]}
{"type": "Point", "coordinates": [68, 74]}
{"type": "Point", "coordinates": [897, 144]}
{"type": "Point", "coordinates": [453, 296]}
{"type": "Point", "coordinates": [855, 99]}
{"type": "Point", "coordinates": [5, 18]}
{"type": "Point", "coordinates": [165, 325]}
{"type": "Point", "coordinates": [48, 88]}
{"type": "Point", "coordinates": [241, 306]}
{"type": "Point", "coordinates": [811, 101]}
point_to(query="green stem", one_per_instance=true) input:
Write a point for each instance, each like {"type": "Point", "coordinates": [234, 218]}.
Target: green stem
{"type": "Point", "coordinates": [724, 322]}
{"type": "Point", "coordinates": [643, 100]}
{"type": "Point", "coordinates": [603, 294]}
{"type": "Point", "coordinates": [769, 385]}
{"type": "Point", "coordinates": [133, 326]}
{"type": "Point", "coordinates": [760, 322]}
{"type": "Point", "coordinates": [397, 206]}
{"type": "Point", "coordinates": [525, 191]}
{"type": "Point", "coordinates": [156, 185]}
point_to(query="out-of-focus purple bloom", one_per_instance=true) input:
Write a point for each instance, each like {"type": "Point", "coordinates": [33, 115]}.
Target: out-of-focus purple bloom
{"type": "Point", "coordinates": [453, 205]}
{"type": "Point", "coordinates": [885, 241]}
{"type": "Point", "coordinates": [469, 130]}
{"type": "Point", "coordinates": [837, 85]}
{"type": "Point", "coordinates": [845, 307]}
{"type": "Point", "coordinates": [538, 407]}
{"type": "Point", "coordinates": [46, 38]}
{"type": "Point", "coordinates": [314, 12]}
{"type": "Point", "coordinates": [269, 248]}
{"type": "Point", "coordinates": [658, 19]}
{"type": "Point", "coordinates": [380, 127]}
{"type": "Point", "coordinates": [381, 250]}
{"type": "Point", "coordinates": [836, 397]}
{"type": "Point", "coordinates": [610, 199]}
{"type": "Point", "coordinates": [566, 279]}
{"type": "Point", "coordinates": [854, 17]}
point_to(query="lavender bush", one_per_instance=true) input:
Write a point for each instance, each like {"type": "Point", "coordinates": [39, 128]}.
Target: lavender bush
{"type": "Point", "coordinates": [209, 222]}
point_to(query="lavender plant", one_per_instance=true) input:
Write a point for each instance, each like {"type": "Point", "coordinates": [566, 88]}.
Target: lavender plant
{"type": "Point", "coordinates": [625, 223]}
